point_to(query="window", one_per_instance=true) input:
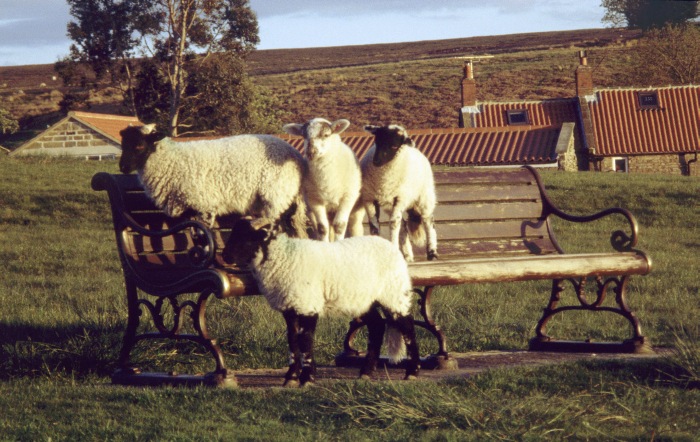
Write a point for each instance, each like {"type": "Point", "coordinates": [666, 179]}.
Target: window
{"type": "Point", "coordinates": [648, 100]}
{"type": "Point", "coordinates": [517, 116]}
{"type": "Point", "coordinates": [620, 164]}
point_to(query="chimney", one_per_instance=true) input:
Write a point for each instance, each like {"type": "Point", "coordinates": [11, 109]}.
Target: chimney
{"type": "Point", "coordinates": [584, 76]}
{"type": "Point", "coordinates": [468, 85]}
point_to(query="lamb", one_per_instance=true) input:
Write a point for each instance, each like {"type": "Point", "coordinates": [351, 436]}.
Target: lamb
{"type": "Point", "coordinates": [244, 174]}
{"type": "Point", "coordinates": [397, 177]}
{"type": "Point", "coordinates": [334, 179]}
{"type": "Point", "coordinates": [305, 279]}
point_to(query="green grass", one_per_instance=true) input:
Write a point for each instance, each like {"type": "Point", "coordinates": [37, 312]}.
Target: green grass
{"type": "Point", "coordinates": [63, 309]}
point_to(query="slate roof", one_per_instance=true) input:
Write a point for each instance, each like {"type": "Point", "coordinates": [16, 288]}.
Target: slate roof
{"type": "Point", "coordinates": [623, 127]}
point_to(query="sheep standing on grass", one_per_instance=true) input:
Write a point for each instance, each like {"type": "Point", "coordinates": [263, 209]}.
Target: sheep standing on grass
{"type": "Point", "coordinates": [304, 279]}
{"type": "Point", "coordinates": [397, 177]}
{"type": "Point", "coordinates": [245, 174]}
{"type": "Point", "coordinates": [334, 179]}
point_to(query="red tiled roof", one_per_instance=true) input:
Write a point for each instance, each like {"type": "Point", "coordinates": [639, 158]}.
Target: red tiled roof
{"type": "Point", "coordinates": [622, 127]}
{"type": "Point", "coordinates": [106, 124]}
{"type": "Point", "coordinates": [540, 113]}
{"type": "Point", "coordinates": [469, 146]}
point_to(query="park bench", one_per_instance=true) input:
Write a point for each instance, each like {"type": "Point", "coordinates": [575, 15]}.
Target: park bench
{"type": "Point", "coordinates": [493, 226]}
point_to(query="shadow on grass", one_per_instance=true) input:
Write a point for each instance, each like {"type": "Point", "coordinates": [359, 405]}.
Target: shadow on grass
{"type": "Point", "coordinates": [81, 351]}
{"type": "Point", "coordinates": [28, 350]}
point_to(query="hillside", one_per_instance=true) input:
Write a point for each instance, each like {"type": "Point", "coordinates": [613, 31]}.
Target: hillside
{"type": "Point", "coordinates": [415, 83]}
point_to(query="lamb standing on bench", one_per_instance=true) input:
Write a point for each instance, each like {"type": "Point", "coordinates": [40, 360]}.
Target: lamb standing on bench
{"type": "Point", "coordinates": [245, 174]}
{"type": "Point", "coordinates": [304, 279]}
{"type": "Point", "coordinates": [397, 177]}
{"type": "Point", "coordinates": [334, 179]}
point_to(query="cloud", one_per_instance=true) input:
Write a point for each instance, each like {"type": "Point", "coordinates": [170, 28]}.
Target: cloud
{"type": "Point", "coordinates": [31, 22]}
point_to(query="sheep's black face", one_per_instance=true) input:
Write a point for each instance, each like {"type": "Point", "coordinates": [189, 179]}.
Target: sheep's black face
{"type": "Point", "coordinates": [388, 141]}
{"type": "Point", "coordinates": [137, 145]}
{"type": "Point", "coordinates": [243, 244]}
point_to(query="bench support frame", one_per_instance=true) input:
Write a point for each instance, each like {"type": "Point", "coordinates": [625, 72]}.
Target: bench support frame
{"type": "Point", "coordinates": [351, 357]}
{"type": "Point", "coordinates": [129, 374]}
{"type": "Point", "coordinates": [636, 344]}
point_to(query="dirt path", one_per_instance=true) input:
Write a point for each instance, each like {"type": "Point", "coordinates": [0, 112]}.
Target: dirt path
{"type": "Point", "coordinates": [469, 365]}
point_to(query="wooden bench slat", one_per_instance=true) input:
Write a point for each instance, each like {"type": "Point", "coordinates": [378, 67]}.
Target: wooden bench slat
{"type": "Point", "coordinates": [503, 192]}
{"type": "Point", "coordinates": [486, 176]}
{"type": "Point", "coordinates": [491, 229]}
{"type": "Point", "coordinates": [488, 211]}
{"type": "Point", "coordinates": [501, 269]}
{"type": "Point", "coordinates": [448, 249]}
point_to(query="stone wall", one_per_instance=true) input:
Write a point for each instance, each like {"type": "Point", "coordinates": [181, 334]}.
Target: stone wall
{"type": "Point", "coordinates": [71, 139]}
{"type": "Point", "coordinates": [674, 164]}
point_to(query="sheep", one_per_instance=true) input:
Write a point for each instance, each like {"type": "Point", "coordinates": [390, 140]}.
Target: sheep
{"type": "Point", "coordinates": [244, 174]}
{"type": "Point", "coordinates": [304, 279]}
{"type": "Point", "coordinates": [334, 179]}
{"type": "Point", "coordinates": [397, 177]}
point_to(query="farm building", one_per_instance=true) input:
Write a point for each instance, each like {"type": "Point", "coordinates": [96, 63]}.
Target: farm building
{"type": "Point", "coordinates": [645, 130]}
{"type": "Point", "coordinates": [543, 147]}
{"type": "Point", "coordinates": [80, 134]}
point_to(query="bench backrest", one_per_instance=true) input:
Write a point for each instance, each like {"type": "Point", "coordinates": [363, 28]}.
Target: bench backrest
{"type": "Point", "coordinates": [155, 258]}
{"type": "Point", "coordinates": [479, 212]}
{"type": "Point", "coordinates": [491, 211]}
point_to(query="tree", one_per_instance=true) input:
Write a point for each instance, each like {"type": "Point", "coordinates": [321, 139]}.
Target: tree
{"type": "Point", "coordinates": [648, 14]}
{"type": "Point", "coordinates": [106, 36]}
{"type": "Point", "coordinates": [222, 99]}
{"type": "Point", "coordinates": [188, 27]}
{"type": "Point", "coordinates": [8, 125]}
{"type": "Point", "coordinates": [175, 34]}
{"type": "Point", "coordinates": [669, 55]}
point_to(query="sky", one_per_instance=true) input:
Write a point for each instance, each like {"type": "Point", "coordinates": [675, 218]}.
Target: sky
{"type": "Point", "coordinates": [34, 31]}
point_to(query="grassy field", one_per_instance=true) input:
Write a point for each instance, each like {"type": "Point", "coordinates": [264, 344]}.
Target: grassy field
{"type": "Point", "coordinates": [63, 309]}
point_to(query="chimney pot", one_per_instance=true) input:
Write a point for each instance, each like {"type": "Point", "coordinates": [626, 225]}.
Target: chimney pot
{"type": "Point", "coordinates": [468, 86]}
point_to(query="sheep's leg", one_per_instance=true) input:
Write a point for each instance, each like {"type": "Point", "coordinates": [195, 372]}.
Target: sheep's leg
{"type": "Point", "coordinates": [291, 378]}
{"type": "Point", "coordinates": [340, 220]}
{"type": "Point", "coordinates": [321, 223]}
{"type": "Point", "coordinates": [375, 330]}
{"type": "Point", "coordinates": [307, 328]}
{"type": "Point", "coordinates": [431, 243]}
{"type": "Point", "coordinates": [373, 211]}
{"type": "Point", "coordinates": [405, 325]}
{"type": "Point", "coordinates": [355, 222]}
{"type": "Point", "coordinates": [396, 221]}
{"type": "Point", "coordinates": [405, 241]}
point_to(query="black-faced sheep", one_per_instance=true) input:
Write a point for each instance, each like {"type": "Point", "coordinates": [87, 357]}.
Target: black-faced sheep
{"type": "Point", "coordinates": [332, 185]}
{"type": "Point", "coordinates": [246, 174]}
{"type": "Point", "coordinates": [305, 279]}
{"type": "Point", "coordinates": [398, 178]}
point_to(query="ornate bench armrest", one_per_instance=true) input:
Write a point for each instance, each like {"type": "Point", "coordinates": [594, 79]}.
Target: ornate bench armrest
{"type": "Point", "coordinates": [203, 251]}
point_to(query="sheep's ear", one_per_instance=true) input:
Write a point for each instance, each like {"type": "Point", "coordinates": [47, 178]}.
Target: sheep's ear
{"type": "Point", "coordinates": [147, 129]}
{"type": "Point", "coordinates": [372, 129]}
{"type": "Point", "coordinates": [294, 129]}
{"type": "Point", "coordinates": [261, 224]}
{"type": "Point", "coordinates": [339, 126]}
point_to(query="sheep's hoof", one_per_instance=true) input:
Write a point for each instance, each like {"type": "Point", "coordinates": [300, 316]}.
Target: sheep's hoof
{"type": "Point", "coordinates": [310, 383]}
{"type": "Point", "coordinates": [410, 377]}
{"type": "Point", "coordinates": [291, 383]}
{"type": "Point", "coordinates": [432, 255]}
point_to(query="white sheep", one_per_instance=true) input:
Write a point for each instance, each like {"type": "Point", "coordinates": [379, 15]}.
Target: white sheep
{"type": "Point", "coordinates": [334, 178]}
{"type": "Point", "coordinates": [305, 279]}
{"type": "Point", "coordinates": [398, 178]}
{"type": "Point", "coordinates": [245, 174]}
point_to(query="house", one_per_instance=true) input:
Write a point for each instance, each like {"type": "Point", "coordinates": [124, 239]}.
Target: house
{"type": "Point", "coordinates": [642, 130]}
{"type": "Point", "coordinates": [80, 134]}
